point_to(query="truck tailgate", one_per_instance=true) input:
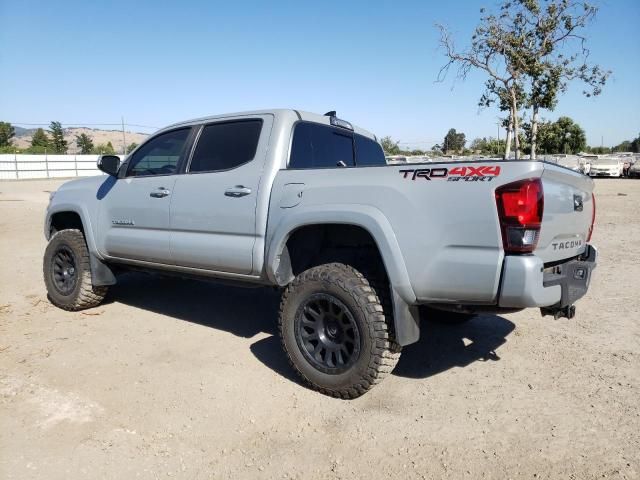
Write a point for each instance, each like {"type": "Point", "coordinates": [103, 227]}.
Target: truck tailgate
{"type": "Point", "coordinates": [568, 213]}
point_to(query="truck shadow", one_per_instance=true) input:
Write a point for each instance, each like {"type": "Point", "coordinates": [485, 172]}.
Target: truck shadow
{"type": "Point", "coordinates": [246, 312]}
{"type": "Point", "coordinates": [442, 347]}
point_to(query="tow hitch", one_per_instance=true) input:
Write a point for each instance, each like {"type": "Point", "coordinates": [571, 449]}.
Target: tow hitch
{"type": "Point", "coordinates": [559, 312]}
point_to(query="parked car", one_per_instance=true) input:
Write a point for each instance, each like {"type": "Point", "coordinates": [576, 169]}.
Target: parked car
{"type": "Point", "coordinates": [396, 159]}
{"type": "Point", "coordinates": [606, 167]}
{"type": "Point", "coordinates": [634, 170]}
{"type": "Point", "coordinates": [418, 159]}
{"type": "Point", "coordinates": [305, 203]}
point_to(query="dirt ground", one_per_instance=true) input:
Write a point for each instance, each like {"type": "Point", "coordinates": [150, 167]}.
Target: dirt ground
{"type": "Point", "coordinates": [176, 378]}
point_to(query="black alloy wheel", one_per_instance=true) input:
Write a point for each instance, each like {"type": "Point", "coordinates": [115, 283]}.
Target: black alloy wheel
{"type": "Point", "coordinates": [64, 270]}
{"type": "Point", "coordinates": [327, 333]}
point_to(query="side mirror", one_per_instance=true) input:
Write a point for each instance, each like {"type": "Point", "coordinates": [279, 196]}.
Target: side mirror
{"type": "Point", "coordinates": [109, 164]}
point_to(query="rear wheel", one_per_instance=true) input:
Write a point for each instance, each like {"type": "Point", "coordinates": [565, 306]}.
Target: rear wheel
{"type": "Point", "coordinates": [67, 272]}
{"type": "Point", "coordinates": [334, 331]}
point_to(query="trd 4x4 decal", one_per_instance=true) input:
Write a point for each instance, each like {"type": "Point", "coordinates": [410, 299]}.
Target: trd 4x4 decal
{"type": "Point", "coordinates": [482, 173]}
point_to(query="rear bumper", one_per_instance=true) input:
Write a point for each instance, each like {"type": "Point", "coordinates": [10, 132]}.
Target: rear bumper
{"type": "Point", "coordinates": [526, 282]}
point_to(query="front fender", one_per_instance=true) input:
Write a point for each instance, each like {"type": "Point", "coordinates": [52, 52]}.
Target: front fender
{"type": "Point", "coordinates": [101, 274]}
{"type": "Point", "coordinates": [85, 217]}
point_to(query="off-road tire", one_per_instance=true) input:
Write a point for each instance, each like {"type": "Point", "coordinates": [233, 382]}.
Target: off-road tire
{"type": "Point", "coordinates": [83, 294]}
{"type": "Point", "coordinates": [444, 317]}
{"type": "Point", "coordinates": [378, 352]}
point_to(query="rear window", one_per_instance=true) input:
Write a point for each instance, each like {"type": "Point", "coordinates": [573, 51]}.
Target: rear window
{"type": "Point", "coordinates": [320, 146]}
{"type": "Point", "coordinates": [222, 146]}
{"type": "Point", "coordinates": [368, 152]}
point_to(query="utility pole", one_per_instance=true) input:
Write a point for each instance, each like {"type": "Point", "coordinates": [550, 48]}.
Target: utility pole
{"type": "Point", "coordinates": [124, 139]}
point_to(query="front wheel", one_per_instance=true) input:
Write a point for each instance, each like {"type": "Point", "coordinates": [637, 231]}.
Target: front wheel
{"type": "Point", "coordinates": [334, 331]}
{"type": "Point", "coordinates": [67, 272]}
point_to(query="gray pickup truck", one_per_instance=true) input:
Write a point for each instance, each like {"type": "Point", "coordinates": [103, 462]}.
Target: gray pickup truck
{"type": "Point", "coordinates": [307, 203]}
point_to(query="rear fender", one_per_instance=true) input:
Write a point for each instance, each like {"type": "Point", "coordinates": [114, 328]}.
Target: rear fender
{"type": "Point", "coordinates": [278, 268]}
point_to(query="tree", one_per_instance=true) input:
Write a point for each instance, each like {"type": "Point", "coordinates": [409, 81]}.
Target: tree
{"type": "Point", "coordinates": [84, 143]}
{"type": "Point", "coordinates": [598, 150]}
{"type": "Point", "coordinates": [7, 132]}
{"type": "Point", "coordinates": [40, 139]}
{"type": "Point", "coordinates": [487, 146]}
{"type": "Point", "coordinates": [58, 143]}
{"type": "Point", "coordinates": [555, 53]}
{"type": "Point", "coordinates": [389, 146]}
{"type": "Point", "coordinates": [491, 50]}
{"type": "Point", "coordinates": [454, 141]}
{"type": "Point", "coordinates": [561, 136]}
{"type": "Point", "coordinates": [635, 144]}
{"type": "Point", "coordinates": [624, 146]}
{"type": "Point", "coordinates": [531, 51]}
{"type": "Point", "coordinates": [104, 149]}
{"type": "Point", "coordinates": [132, 146]}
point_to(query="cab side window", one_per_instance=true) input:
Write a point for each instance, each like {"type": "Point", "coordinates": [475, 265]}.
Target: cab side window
{"type": "Point", "coordinates": [321, 146]}
{"type": "Point", "coordinates": [368, 152]}
{"type": "Point", "coordinates": [226, 145]}
{"type": "Point", "coordinates": [159, 156]}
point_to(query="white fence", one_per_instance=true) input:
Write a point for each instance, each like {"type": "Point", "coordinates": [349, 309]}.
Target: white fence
{"type": "Point", "coordinates": [19, 166]}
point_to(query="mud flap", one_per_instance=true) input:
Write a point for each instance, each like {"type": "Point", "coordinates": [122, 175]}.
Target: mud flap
{"type": "Point", "coordinates": [101, 274]}
{"type": "Point", "coordinates": [406, 320]}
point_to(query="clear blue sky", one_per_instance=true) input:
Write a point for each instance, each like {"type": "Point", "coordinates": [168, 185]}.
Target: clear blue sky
{"type": "Point", "coordinates": [156, 62]}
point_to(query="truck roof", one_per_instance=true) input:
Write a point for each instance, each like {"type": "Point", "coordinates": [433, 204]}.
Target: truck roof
{"type": "Point", "coordinates": [276, 112]}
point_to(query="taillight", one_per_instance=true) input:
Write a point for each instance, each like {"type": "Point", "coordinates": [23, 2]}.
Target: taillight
{"type": "Point", "coordinates": [520, 205]}
{"type": "Point", "coordinates": [593, 216]}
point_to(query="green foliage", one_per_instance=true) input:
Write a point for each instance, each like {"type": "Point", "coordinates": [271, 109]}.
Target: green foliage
{"type": "Point", "coordinates": [84, 143]}
{"type": "Point", "coordinates": [598, 150]}
{"type": "Point", "coordinates": [7, 132]}
{"type": "Point", "coordinates": [454, 141]}
{"type": "Point", "coordinates": [132, 146]}
{"type": "Point", "coordinates": [37, 149]}
{"type": "Point", "coordinates": [104, 149]}
{"type": "Point", "coordinates": [9, 149]}
{"type": "Point", "coordinates": [389, 146]}
{"type": "Point", "coordinates": [531, 50]}
{"type": "Point", "coordinates": [488, 146]}
{"type": "Point", "coordinates": [40, 139]}
{"type": "Point", "coordinates": [58, 143]}
{"type": "Point", "coordinates": [635, 144]}
{"type": "Point", "coordinates": [623, 147]}
{"type": "Point", "coordinates": [561, 136]}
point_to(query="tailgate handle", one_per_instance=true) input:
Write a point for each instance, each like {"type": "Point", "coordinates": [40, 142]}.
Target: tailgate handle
{"type": "Point", "coordinates": [577, 203]}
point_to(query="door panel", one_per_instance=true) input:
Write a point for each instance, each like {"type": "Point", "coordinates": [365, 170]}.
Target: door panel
{"type": "Point", "coordinates": [213, 214]}
{"type": "Point", "coordinates": [134, 224]}
{"type": "Point", "coordinates": [134, 212]}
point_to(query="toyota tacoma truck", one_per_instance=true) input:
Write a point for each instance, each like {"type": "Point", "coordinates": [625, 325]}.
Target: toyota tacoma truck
{"type": "Point", "coordinates": [306, 203]}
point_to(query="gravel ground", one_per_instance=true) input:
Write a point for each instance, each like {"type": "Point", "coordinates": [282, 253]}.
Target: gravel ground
{"type": "Point", "coordinates": [176, 378]}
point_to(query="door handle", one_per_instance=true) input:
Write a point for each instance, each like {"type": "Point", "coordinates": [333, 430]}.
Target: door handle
{"type": "Point", "coordinates": [160, 193]}
{"type": "Point", "coordinates": [237, 191]}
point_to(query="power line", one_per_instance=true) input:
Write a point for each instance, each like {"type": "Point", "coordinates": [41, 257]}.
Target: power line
{"type": "Point", "coordinates": [82, 124]}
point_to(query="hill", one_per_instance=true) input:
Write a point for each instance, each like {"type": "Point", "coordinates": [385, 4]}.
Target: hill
{"type": "Point", "coordinates": [98, 136]}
